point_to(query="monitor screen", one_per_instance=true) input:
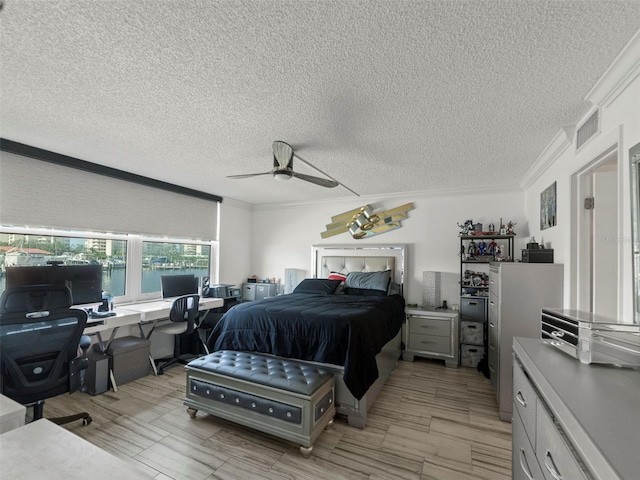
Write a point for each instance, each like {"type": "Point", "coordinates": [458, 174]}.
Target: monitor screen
{"type": "Point", "coordinates": [84, 281]}
{"type": "Point", "coordinates": [178, 285]}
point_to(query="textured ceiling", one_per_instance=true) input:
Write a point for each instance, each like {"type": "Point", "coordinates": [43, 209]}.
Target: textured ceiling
{"type": "Point", "coordinates": [385, 96]}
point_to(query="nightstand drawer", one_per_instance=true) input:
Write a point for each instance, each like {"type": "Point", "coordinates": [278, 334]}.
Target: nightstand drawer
{"type": "Point", "coordinates": [429, 326]}
{"type": "Point", "coordinates": [430, 343]}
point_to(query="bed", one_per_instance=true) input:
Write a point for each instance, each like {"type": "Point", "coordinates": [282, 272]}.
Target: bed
{"type": "Point", "coordinates": [355, 334]}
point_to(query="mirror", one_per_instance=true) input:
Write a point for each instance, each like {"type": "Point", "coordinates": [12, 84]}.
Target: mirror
{"type": "Point", "coordinates": [634, 156]}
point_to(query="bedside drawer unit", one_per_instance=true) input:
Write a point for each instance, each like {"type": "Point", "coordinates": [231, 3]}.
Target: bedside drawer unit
{"type": "Point", "coordinates": [431, 333]}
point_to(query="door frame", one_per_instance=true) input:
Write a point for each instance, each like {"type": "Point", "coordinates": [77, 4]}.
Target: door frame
{"type": "Point", "coordinates": [600, 152]}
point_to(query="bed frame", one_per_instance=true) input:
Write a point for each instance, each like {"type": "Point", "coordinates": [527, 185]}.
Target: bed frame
{"type": "Point", "coordinates": [365, 258]}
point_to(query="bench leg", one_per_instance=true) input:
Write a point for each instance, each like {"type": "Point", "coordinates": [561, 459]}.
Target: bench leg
{"type": "Point", "coordinates": [192, 412]}
{"type": "Point", "coordinates": [306, 451]}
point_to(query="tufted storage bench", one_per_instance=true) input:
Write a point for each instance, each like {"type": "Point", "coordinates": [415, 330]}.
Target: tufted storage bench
{"type": "Point", "coordinates": [279, 396]}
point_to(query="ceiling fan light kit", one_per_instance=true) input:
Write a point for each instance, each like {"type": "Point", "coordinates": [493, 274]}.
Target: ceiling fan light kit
{"type": "Point", "coordinates": [282, 175]}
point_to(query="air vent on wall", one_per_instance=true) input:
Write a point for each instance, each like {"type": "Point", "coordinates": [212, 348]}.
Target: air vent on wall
{"type": "Point", "coordinates": [588, 129]}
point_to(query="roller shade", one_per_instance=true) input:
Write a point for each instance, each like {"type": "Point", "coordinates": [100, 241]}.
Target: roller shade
{"type": "Point", "coordinates": [42, 194]}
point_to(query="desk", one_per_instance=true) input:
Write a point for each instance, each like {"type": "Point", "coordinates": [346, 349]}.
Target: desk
{"type": "Point", "coordinates": [139, 314]}
{"type": "Point", "coordinates": [151, 312]}
{"type": "Point", "coordinates": [159, 309]}
{"type": "Point", "coordinates": [136, 313]}
{"type": "Point", "coordinates": [43, 449]}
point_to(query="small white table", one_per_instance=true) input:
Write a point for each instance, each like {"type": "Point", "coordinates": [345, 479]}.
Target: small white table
{"type": "Point", "coordinates": [12, 414]}
{"type": "Point", "coordinates": [42, 449]}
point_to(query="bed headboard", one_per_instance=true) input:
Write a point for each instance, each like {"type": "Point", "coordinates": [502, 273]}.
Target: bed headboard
{"type": "Point", "coordinates": [352, 258]}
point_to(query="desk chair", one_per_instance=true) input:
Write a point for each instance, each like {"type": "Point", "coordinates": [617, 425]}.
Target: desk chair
{"type": "Point", "coordinates": [183, 315]}
{"type": "Point", "coordinates": [39, 339]}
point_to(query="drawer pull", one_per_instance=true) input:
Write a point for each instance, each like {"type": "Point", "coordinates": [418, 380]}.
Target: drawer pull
{"type": "Point", "coordinates": [426, 342]}
{"type": "Point", "coordinates": [472, 303]}
{"type": "Point", "coordinates": [551, 466]}
{"type": "Point", "coordinates": [521, 399]}
{"type": "Point", "coordinates": [471, 326]}
{"type": "Point", "coordinates": [427, 326]}
{"type": "Point", "coordinates": [524, 465]}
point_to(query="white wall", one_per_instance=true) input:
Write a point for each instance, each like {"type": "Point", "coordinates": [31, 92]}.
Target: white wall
{"type": "Point", "coordinates": [283, 235]}
{"type": "Point", "coordinates": [619, 100]}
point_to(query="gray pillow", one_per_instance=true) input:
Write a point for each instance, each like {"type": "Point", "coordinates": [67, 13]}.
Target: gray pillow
{"type": "Point", "coordinates": [368, 280]}
{"type": "Point", "coordinates": [322, 286]}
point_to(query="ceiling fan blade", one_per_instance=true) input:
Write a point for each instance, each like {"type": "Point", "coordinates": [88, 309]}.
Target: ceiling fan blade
{"type": "Point", "coordinates": [323, 182]}
{"type": "Point", "coordinates": [282, 154]}
{"type": "Point", "coordinates": [248, 175]}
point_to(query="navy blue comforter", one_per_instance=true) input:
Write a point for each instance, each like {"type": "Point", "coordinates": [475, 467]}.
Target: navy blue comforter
{"type": "Point", "coordinates": [347, 330]}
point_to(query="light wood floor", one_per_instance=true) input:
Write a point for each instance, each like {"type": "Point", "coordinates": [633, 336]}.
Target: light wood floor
{"type": "Point", "coordinates": [429, 422]}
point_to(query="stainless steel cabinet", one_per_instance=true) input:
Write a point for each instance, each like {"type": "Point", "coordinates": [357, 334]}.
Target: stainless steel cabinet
{"type": "Point", "coordinates": [258, 291]}
{"type": "Point", "coordinates": [517, 294]}
{"type": "Point", "coordinates": [431, 333]}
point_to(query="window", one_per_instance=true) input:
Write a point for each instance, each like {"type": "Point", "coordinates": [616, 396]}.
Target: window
{"type": "Point", "coordinates": [163, 258]}
{"type": "Point", "coordinates": [131, 264]}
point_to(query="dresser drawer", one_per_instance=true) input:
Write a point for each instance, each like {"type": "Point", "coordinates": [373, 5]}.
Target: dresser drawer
{"type": "Point", "coordinates": [554, 455]}
{"type": "Point", "coordinates": [430, 343]}
{"type": "Point", "coordinates": [429, 326]}
{"type": "Point", "coordinates": [524, 463]}
{"type": "Point", "coordinates": [525, 400]}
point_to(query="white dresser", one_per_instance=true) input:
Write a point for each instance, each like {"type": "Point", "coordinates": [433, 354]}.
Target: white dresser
{"type": "Point", "coordinates": [573, 421]}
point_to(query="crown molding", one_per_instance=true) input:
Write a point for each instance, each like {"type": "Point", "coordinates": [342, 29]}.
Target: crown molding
{"type": "Point", "coordinates": [622, 71]}
{"type": "Point", "coordinates": [369, 199]}
{"type": "Point", "coordinates": [549, 155]}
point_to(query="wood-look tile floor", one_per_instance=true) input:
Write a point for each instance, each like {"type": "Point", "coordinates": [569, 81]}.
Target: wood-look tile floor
{"type": "Point", "coordinates": [429, 422]}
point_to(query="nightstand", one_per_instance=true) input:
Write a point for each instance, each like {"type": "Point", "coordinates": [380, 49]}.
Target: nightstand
{"type": "Point", "coordinates": [431, 333]}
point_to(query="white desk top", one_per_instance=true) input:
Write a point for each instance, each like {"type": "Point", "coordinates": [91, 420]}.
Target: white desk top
{"type": "Point", "coordinates": [42, 449]}
{"type": "Point", "coordinates": [160, 308]}
{"type": "Point", "coordinates": [133, 313]}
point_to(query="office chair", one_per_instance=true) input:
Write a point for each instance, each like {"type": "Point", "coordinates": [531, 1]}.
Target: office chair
{"type": "Point", "coordinates": [183, 315]}
{"type": "Point", "coordinates": [39, 339]}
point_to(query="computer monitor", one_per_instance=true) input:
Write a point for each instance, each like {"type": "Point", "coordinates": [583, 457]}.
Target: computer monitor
{"type": "Point", "coordinates": [178, 285]}
{"type": "Point", "coordinates": [84, 281]}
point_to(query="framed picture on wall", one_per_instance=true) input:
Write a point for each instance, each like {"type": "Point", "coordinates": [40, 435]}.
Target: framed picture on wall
{"type": "Point", "coordinates": [548, 207]}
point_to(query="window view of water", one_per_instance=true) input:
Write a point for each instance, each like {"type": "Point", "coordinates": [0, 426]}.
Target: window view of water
{"type": "Point", "coordinates": [157, 259]}
{"type": "Point", "coordinates": [114, 281]}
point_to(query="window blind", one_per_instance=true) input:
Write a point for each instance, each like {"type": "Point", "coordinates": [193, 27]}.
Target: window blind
{"type": "Point", "coordinates": [42, 194]}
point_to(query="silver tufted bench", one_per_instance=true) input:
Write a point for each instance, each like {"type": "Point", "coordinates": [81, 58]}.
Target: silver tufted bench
{"type": "Point", "coordinates": [279, 396]}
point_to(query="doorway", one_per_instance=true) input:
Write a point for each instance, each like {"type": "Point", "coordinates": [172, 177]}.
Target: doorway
{"type": "Point", "coordinates": [596, 236]}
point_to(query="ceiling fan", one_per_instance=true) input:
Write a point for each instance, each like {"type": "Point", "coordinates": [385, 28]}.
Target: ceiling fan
{"type": "Point", "coordinates": [283, 167]}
